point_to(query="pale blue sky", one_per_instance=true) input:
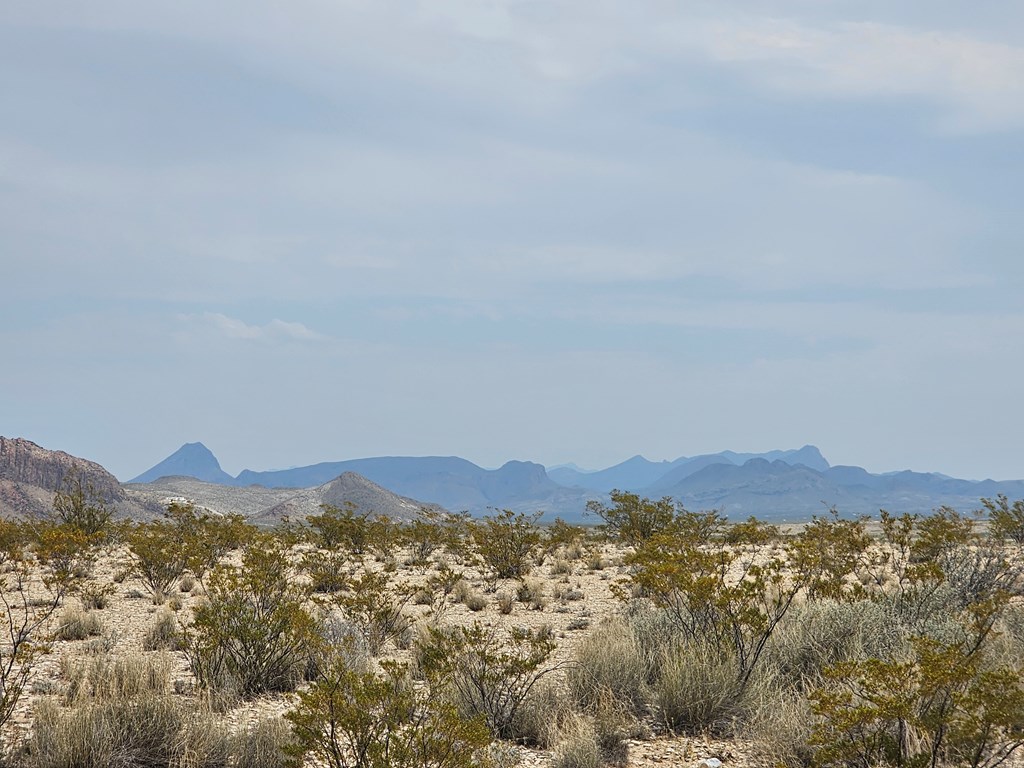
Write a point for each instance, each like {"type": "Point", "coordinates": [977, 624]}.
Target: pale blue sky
{"type": "Point", "coordinates": [555, 231]}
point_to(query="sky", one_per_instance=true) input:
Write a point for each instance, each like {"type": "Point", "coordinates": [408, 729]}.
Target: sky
{"type": "Point", "coordinates": [557, 231]}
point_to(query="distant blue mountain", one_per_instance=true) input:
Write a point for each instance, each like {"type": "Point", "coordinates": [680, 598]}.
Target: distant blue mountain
{"type": "Point", "coordinates": [777, 490]}
{"type": "Point", "coordinates": [780, 485]}
{"type": "Point", "coordinates": [632, 474]}
{"type": "Point", "coordinates": [639, 474]}
{"type": "Point", "coordinates": [191, 460]}
{"type": "Point", "coordinates": [452, 482]}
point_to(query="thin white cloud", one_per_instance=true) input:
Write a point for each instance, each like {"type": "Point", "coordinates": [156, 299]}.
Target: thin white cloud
{"type": "Point", "coordinates": [233, 328]}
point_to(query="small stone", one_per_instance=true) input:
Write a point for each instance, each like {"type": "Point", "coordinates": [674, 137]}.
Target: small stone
{"type": "Point", "coordinates": [711, 762]}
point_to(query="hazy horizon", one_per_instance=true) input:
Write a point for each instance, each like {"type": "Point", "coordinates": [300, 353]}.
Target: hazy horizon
{"type": "Point", "coordinates": [557, 232]}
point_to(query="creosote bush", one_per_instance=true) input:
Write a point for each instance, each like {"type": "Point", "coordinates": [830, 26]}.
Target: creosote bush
{"type": "Point", "coordinates": [507, 543]}
{"type": "Point", "coordinates": [353, 719]}
{"type": "Point", "coordinates": [253, 634]}
{"type": "Point", "coordinates": [485, 674]}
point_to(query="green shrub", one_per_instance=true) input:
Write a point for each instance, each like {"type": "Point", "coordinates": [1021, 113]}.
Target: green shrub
{"type": "Point", "coordinates": [326, 569]}
{"type": "Point", "coordinates": [714, 598]}
{"type": "Point", "coordinates": [943, 706]}
{"type": "Point", "coordinates": [507, 543]}
{"type": "Point", "coordinates": [253, 634]}
{"type": "Point", "coordinates": [341, 528]}
{"type": "Point", "coordinates": [827, 555]}
{"type": "Point", "coordinates": [751, 532]}
{"type": "Point", "coordinates": [424, 536]}
{"type": "Point", "coordinates": [207, 537]}
{"type": "Point", "coordinates": [77, 505]}
{"type": "Point", "coordinates": [486, 675]}
{"type": "Point", "coordinates": [632, 519]}
{"type": "Point", "coordinates": [376, 607]}
{"type": "Point", "coordinates": [1006, 521]}
{"type": "Point", "coordinates": [158, 556]}
{"type": "Point", "coordinates": [352, 719]}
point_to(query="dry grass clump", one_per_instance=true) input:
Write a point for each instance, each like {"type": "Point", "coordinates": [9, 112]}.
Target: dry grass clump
{"type": "Point", "coordinates": [464, 593]}
{"type": "Point", "coordinates": [506, 602]}
{"type": "Point", "coordinates": [122, 714]}
{"type": "Point", "coordinates": [543, 716]}
{"type": "Point", "coordinates": [96, 596]}
{"type": "Point", "coordinates": [780, 729]}
{"type": "Point", "coordinates": [262, 745]}
{"type": "Point", "coordinates": [578, 747]}
{"type": "Point", "coordinates": [531, 591]}
{"type": "Point", "coordinates": [596, 740]}
{"type": "Point", "coordinates": [698, 688]}
{"type": "Point", "coordinates": [77, 624]}
{"type": "Point", "coordinates": [610, 661]}
{"type": "Point", "coordinates": [164, 634]}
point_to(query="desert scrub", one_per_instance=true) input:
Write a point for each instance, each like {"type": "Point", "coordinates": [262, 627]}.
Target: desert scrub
{"type": "Point", "coordinates": [577, 747]}
{"type": "Point", "coordinates": [507, 543]}
{"type": "Point", "coordinates": [944, 706]}
{"type": "Point", "coordinates": [714, 597]}
{"type": "Point", "coordinates": [41, 564]}
{"type": "Point", "coordinates": [375, 605]}
{"type": "Point", "coordinates": [485, 674]}
{"type": "Point", "coordinates": [253, 634]}
{"type": "Point", "coordinates": [362, 719]}
{"type": "Point", "coordinates": [327, 569]}
{"type": "Point", "coordinates": [822, 633]}
{"type": "Point", "coordinates": [106, 678]}
{"type": "Point", "coordinates": [96, 596]}
{"type": "Point", "coordinates": [699, 689]}
{"type": "Point", "coordinates": [546, 711]}
{"type": "Point", "coordinates": [157, 556]}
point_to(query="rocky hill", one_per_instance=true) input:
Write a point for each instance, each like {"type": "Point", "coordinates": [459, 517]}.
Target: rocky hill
{"type": "Point", "coordinates": [30, 475]}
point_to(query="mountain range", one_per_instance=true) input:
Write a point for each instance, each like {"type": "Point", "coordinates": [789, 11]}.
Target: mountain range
{"type": "Point", "coordinates": [778, 485]}
{"type": "Point", "coordinates": [784, 485]}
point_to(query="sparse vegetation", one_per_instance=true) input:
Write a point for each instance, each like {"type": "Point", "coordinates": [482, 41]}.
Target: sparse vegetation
{"type": "Point", "coordinates": [851, 642]}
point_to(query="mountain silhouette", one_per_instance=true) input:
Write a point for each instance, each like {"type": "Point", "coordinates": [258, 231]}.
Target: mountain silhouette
{"type": "Point", "coordinates": [191, 460]}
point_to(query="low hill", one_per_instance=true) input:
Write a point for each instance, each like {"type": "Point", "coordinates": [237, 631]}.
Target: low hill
{"type": "Point", "coordinates": [269, 505]}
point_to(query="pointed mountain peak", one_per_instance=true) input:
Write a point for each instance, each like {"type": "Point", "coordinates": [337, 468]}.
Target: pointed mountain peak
{"type": "Point", "coordinates": [191, 460]}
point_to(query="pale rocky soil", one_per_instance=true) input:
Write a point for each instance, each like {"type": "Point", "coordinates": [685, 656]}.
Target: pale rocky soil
{"type": "Point", "coordinates": [572, 604]}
